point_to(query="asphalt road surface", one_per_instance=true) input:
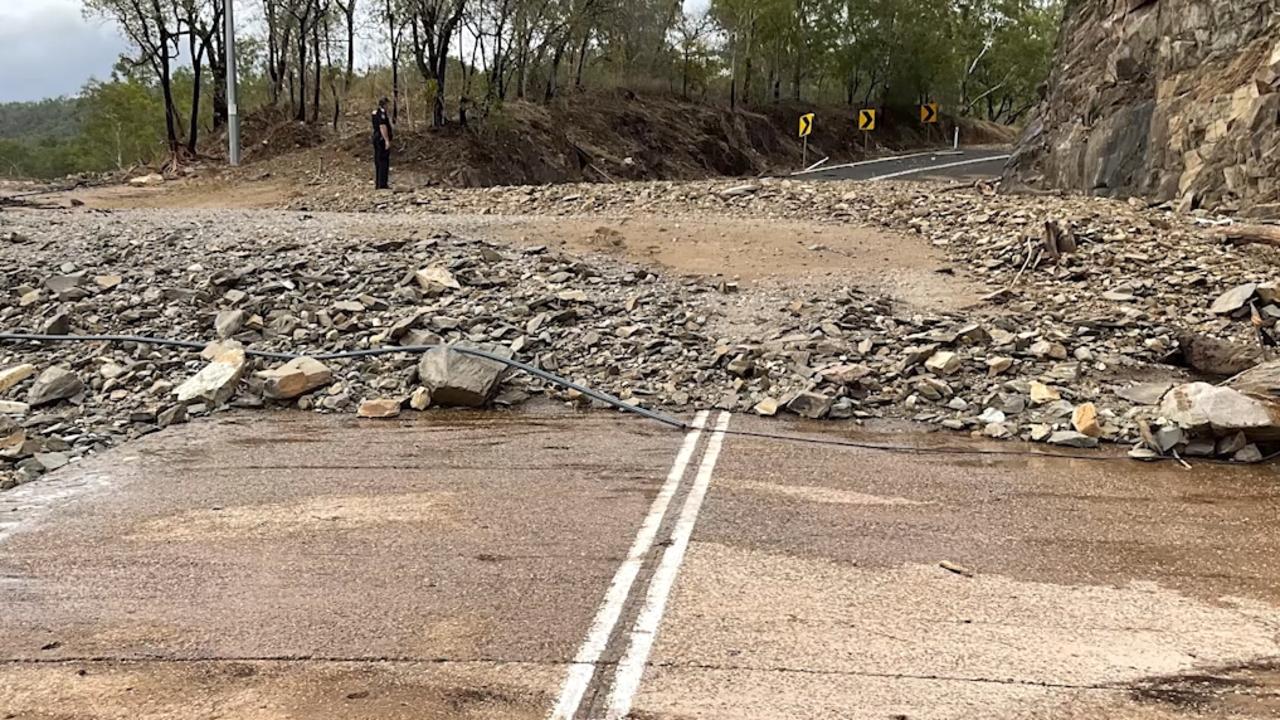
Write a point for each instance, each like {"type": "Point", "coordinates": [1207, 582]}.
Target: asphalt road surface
{"type": "Point", "coordinates": [963, 164]}
{"type": "Point", "coordinates": [552, 565]}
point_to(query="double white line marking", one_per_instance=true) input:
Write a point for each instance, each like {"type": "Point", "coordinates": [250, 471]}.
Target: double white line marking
{"type": "Point", "coordinates": [639, 640]}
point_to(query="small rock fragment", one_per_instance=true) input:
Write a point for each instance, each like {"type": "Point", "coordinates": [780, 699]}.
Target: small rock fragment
{"type": "Point", "coordinates": [379, 408]}
{"type": "Point", "coordinates": [54, 384]}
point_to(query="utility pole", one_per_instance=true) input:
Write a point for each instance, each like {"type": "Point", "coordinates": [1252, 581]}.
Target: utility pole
{"type": "Point", "coordinates": [233, 114]}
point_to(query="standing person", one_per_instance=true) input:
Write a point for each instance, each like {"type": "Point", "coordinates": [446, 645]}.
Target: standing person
{"type": "Point", "coordinates": [381, 146]}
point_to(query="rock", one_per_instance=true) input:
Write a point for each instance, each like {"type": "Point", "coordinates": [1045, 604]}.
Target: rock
{"type": "Point", "coordinates": [9, 407]}
{"type": "Point", "coordinates": [1047, 349]}
{"type": "Point", "coordinates": [420, 399]}
{"type": "Point", "coordinates": [216, 383]}
{"type": "Point", "coordinates": [1234, 299]}
{"type": "Point", "coordinates": [148, 179]}
{"type": "Point", "coordinates": [59, 324]}
{"type": "Point", "coordinates": [107, 282]}
{"type": "Point", "coordinates": [216, 348]}
{"type": "Point", "coordinates": [991, 416]}
{"type": "Point", "coordinates": [380, 408]}
{"type": "Point", "coordinates": [1068, 438]}
{"type": "Point", "coordinates": [742, 366]}
{"type": "Point", "coordinates": [1200, 448]}
{"type": "Point", "coordinates": [1201, 407]}
{"type": "Point", "coordinates": [1141, 453]}
{"type": "Point", "coordinates": [1085, 420]}
{"type": "Point", "coordinates": [1168, 437]}
{"type": "Point", "coordinates": [435, 280]}
{"type": "Point", "coordinates": [228, 323]}
{"type": "Point", "coordinates": [1145, 393]}
{"type": "Point", "coordinates": [457, 379]}
{"type": "Point", "coordinates": [1217, 357]}
{"type": "Point", "coordinates": [1248, 454]}
{"type": "Point", "coordinates": [1041, 393]}
{"type": "Point", "coordinates": [1231, 444]}
{"type": "Point", "coordinates": [12, 437]}
{"type": "Point", "coordinates": [943, 362]}
{"type": "Point", "coordinates": [15, 374]}
{"type": "Point", "coordinates": [811, 405]}
{"type": "Point", "coordinates": [1262, 380]}
{"type": "Point", "coordinates": [296, 377]}
{"type": "Point", "coordinates": [54, 384]}
{"type": "Point", "coordinates": [998, 365]}
{"type": "Point", "coordinates": [51, 461]}
{"type": "Point", "coordinates": [767, 407]}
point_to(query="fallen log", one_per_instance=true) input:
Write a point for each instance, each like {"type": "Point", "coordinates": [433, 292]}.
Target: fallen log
{"type": "Point", "coordinates": [1250, 235]}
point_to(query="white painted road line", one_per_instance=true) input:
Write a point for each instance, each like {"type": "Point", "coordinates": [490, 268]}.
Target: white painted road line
{"type": "Point", "coordinates": [584, 663]}
{"type": "Point", "coordinates": [917, 171]}
{"type": "Point", "coordinates": [630, 669]}
{"type": "Point", "coordinates": [877, 161]}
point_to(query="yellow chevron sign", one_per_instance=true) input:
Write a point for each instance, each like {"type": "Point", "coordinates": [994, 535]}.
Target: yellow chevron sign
{"type": "Point", "coordinates": [806, 124]}
{"type": "Point", "coordinates": [929, 113]}
{"type": "Point", "coordinates": [867, 120]}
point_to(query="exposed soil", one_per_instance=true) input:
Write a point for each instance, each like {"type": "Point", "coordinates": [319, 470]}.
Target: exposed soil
{"type": "Point", "coordinates": [760, 252]}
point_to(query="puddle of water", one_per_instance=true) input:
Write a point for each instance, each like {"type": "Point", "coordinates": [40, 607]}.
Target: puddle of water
{"type": "Point", "coordinates": [21, 508]}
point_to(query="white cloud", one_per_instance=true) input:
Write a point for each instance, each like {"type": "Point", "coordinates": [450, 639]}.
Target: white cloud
{"type": "Point", "coordinates": [47, 48]}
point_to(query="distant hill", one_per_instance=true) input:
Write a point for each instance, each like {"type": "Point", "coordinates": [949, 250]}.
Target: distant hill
{"type": "Point", "coordinates": [51, 118]}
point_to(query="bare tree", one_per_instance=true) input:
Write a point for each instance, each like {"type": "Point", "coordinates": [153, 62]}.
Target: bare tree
{"type": "Point", "coordinates": [432, 24]}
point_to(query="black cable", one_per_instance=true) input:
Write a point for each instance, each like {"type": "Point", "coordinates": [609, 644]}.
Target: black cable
{"type": "Point", "coordinates": [415, 349]}
{"type": "Point", "coordinates": [594, 394]}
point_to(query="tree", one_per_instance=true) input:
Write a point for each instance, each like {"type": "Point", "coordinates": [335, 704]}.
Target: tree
{"type": "Point", "coordinates": [432, 24]}
{"type": "Point", "coordinates": [152, 27]}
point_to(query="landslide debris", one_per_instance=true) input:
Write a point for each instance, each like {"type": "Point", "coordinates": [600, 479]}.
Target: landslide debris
{"type": "Point", "coordinates": [1089, 300]}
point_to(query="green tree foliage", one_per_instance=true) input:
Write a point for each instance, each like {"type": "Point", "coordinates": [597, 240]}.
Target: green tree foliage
{"type": "Point", "coordinates": [457, 59]}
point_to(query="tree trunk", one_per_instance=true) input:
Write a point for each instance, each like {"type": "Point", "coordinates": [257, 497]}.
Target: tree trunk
{"type": "Point", "coordinates": [582, 60]}
{"type": "Point", "coordinates": [197, 54]}
{"type": "Point", "coordinates": [315, 85]}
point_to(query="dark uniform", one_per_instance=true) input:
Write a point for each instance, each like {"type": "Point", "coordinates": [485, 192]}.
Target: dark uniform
{"type": "Point", "coordinates": [381, 153]}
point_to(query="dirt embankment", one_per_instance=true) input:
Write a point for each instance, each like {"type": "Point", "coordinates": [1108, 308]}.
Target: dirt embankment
{"type": "Point", "coordinates": [593, 137]}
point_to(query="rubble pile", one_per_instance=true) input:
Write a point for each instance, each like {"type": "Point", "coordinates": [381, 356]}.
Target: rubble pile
{"type": "Point", "coordinates": [1089, 300]}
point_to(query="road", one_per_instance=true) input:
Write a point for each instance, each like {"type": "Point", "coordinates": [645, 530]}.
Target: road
{"type": "Point", "coordinates": [547, 564]}
{"type": "Point", "coordinates": [963, 164]}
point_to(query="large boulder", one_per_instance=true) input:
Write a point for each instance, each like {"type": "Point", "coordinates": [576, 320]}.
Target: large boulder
{"type": "Point", "coordinates": [1210, 409]}
{"type": "Point", "coordinates": [457, 379]}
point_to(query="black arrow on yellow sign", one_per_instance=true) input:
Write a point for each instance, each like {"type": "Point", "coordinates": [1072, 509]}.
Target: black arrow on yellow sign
{"type": "Point", "coordinates": [929, 113]}
{"type": "Point", "coordinates": [867, 120]}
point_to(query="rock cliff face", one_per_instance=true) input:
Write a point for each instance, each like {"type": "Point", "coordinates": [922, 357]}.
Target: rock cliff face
{"type": "Point", "coordinates": [1169, 99]}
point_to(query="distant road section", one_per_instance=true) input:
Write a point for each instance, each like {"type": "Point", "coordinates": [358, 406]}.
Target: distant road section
{"type": "Point", "coordinates": [952, 164]}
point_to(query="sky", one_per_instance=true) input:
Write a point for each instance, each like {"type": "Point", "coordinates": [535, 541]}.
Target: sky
{"type": "Point", "coordinates": [48, 48]}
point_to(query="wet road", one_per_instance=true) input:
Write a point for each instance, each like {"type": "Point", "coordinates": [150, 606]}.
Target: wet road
{"type": "Point", "coordinates": [546, 564]}
{"type": "Point", "coordinates": [963, 164]}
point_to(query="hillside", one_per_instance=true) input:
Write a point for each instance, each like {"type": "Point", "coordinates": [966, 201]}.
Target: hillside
{"type": "Point", "coordinates": [592, 137]}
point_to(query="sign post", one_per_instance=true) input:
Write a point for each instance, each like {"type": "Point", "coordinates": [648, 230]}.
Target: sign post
{"type": "Point", "coordinates": [806, 127]}
{"type": "Point", "coordinates": [929, 116]}
{"type": "Point", "coordinates": [867, 124]}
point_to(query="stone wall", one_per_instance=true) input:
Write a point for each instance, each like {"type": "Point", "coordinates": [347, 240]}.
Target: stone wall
{"type": "Point", "coordinates": [1176, 100]}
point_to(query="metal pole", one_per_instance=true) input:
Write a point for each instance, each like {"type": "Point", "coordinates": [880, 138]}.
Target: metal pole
{"type": "Point", "coordinates": [233, 114]}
